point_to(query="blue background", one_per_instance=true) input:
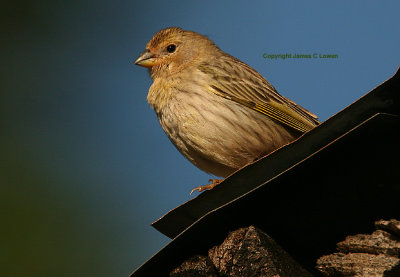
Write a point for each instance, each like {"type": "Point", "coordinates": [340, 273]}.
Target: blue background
{"type": "Point", "coordinates": [84, 165]}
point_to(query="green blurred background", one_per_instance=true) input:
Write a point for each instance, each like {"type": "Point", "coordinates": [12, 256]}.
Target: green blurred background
{"type": "Point", "coordinates": [70, 200]}
{"type": "Point", "coordinates": [84, 165]}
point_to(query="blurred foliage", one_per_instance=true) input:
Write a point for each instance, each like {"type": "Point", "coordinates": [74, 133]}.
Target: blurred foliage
{"type": "Point", "coordinates": [58, 217]}
{"type": "Point", "coordinates": [45, 228]}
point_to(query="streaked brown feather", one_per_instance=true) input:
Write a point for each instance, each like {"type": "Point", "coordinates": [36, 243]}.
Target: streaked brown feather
{"type": "Point", "coordinates": [254, 91]}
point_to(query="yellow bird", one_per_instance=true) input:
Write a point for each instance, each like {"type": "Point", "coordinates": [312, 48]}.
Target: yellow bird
{"type": "Point", "coordinates": [219, 112]}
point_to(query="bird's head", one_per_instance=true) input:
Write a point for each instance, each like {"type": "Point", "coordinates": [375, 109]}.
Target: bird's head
{"type": "Point", "coordinates": [172, 49]}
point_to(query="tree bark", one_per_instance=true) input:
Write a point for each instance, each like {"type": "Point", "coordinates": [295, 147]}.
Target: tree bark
{"type": "Point", "coordinates": [374, 255]}
{"type": "Point", "coordinates": [245, 252]}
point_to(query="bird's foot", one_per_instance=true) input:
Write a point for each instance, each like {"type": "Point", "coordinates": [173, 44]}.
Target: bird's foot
{"type": "Point", "coordinates": [211, 185]}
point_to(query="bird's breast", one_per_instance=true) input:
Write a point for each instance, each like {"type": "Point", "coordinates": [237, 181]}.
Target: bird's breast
{"type": "Point", "coordinates": [214, 133]}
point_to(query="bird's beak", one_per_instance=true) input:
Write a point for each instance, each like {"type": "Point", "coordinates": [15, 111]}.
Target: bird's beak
{"type": "Point", "coordinates": [146, 59]}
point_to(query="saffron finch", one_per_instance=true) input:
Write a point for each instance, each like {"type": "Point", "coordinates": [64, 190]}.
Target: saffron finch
{"type": "Point", "coordinates": [219, 112]}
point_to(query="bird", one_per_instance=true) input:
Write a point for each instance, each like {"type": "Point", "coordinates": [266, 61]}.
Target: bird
{"type": "Point", "coordinates": [219, 112]}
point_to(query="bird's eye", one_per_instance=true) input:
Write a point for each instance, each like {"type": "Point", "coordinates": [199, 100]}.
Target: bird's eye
{"type": "Point", "coordinates": [171, 48]}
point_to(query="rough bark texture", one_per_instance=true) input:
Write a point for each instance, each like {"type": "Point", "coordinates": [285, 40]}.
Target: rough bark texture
{"type": "Point", "coordinates": [362, 255]}
{"type": "Point", "coordinates": [195, 266]}
{"type": "Point", "coordinates": [245, 252]}
{"type": "Point", "coordinates": [391, 226]}
{"type": "Point", "coordinates": [251, 252]}
{"type": "Point", "coordinates": [379, 242]}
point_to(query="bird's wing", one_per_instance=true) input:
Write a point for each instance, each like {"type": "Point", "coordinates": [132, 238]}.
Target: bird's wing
{"type": "Point", "coordinates": [238, 82]}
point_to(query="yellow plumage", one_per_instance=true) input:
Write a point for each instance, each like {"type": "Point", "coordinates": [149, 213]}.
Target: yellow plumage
{"type": "Point", "coordinates": [218, 111]}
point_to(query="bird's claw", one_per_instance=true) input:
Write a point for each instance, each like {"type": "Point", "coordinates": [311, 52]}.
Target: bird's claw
{"type": "Point", "coordinates": [211, 185]}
